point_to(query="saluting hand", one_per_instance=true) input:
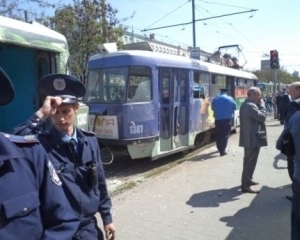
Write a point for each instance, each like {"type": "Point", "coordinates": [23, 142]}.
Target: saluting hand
{"type": "Point", "coordinates": [49, 107]}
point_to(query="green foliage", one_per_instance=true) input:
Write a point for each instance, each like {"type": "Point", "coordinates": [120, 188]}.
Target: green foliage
{"type": "Point", "coordinates": [283, 76]}
{"type": "Point", "coordinates": [86, 24]}
{"type": "Point", "coordinates": [25, 10]}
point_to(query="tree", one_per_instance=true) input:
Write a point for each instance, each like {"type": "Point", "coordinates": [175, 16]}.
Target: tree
{"type": "Point", "coordinates": [25, 10]}
{"type": "Point", "coordinates": [86, 24]}
{"type": "Point", "coordinates": [267, 75]}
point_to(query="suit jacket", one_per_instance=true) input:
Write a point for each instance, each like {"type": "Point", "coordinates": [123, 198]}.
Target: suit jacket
{"type": "Point", "coordinates": [252, 120]}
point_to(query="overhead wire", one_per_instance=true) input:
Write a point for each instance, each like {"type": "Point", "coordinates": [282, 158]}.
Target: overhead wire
{"type": "Point", "coordinates": [164, 36]}
{"type": "Point", "coordinates": [168, 14]}
{"type": "Point", "coordinates": [160, 35]}
{"type": "Point", "coordinates": [231, 25]}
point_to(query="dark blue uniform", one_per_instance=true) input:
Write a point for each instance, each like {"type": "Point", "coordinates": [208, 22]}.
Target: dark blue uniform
{"type": "Point", "coordinates": [33, 204]}
{"type": "Point", "coordinates": [85, 188]}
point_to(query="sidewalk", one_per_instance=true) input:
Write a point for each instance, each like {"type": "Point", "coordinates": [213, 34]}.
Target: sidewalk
{"type": "Point", "coordinates": [201, 199]}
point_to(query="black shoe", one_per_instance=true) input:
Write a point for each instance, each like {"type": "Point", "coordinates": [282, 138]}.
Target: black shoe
{"type": "Point", "coordinates": [289, 197]}
{"type": "Point", "coordinates": [223, 154]}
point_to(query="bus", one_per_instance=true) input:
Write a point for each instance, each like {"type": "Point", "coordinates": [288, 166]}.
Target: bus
{"type": "Point", "coordinates": [28, 51]}
{"type": "Point", "coordinates": [144, 104]}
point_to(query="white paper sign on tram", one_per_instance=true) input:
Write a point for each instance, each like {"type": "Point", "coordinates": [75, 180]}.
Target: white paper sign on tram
{"type": "Point", "coordinates": [105, 126]}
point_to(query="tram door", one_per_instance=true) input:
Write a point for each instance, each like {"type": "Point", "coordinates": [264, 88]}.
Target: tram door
{"type": "Point", "coordinates": [170, 109]}
{"type": "Point", "coordinates": [24, 66]}
{"type": "Point", "coordinates": [45, 64]}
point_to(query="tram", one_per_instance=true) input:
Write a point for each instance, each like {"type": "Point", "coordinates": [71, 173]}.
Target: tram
{"type": "Point", "coordinates": [148, 105]}
{"type": "Point", "coordinates": [28, 51]}
{"type": "Point", "coordinates": [268, 87]}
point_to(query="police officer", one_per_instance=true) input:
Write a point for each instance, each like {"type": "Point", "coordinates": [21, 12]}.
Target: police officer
{"type": "Point", "coordinates": [223, 107]}
{"type": "Point", "coordinates": [33, 204]}
{"type": "Point", "coordinates": [75, 153]}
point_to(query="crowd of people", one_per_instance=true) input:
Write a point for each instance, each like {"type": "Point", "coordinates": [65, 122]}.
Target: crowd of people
{"type": "Point", "coordinates": [253, 135]}
{"type": "Point", "coordinates": [63, 183]}
{"type": "Point", "coordinates": [226, 60]}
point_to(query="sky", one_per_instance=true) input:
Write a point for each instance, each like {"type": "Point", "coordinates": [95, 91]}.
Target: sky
{"type": "Point", "coordinates": [273, 26]}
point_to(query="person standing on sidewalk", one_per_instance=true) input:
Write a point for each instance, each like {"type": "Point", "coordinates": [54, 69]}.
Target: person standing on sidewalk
{"type": "Point", "coordinates": [253, 135]}
{"type": "Point", "coordinates": [293, 127]}
{"type": "Point", "coordinates": [293, 106]}
{"type": "Point", "coordinates": [223, 107]}
{"type": "Point", "coordinates": [282, 101]}
{"type": "Point", "coordinates": [75, 154]}
{"type": "Point", "coordinates": [33, 203]}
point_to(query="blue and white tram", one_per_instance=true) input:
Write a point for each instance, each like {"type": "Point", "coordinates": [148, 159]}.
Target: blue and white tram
{"type": "Point", "coordinates": [146, 104]}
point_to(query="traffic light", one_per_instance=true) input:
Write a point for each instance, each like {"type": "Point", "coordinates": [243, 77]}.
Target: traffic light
{"type": "Point", "coordinates": [274, 59]}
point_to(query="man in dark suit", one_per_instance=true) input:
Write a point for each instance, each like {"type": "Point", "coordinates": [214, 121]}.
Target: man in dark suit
{"type": "Point", "coordinates": [292, 107]}
{"type": "Point", "coordinates": [253, 115]}
{"type": "Point", "coordinates": [282, 101]}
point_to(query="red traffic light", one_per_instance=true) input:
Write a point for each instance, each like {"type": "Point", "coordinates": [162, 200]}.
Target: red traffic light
{"type": "Point", "coordinates": [273, 53]}
{"type": "Point", "coordinates": [274, 59]}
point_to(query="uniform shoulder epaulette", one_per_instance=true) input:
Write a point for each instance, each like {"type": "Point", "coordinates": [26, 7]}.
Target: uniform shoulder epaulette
{"type": "Point", "coordinates": [45, 133]}
{"type": "Point", "coordinates": [87, 133]}
{"type": "Point", "coordinates": [22, 139]}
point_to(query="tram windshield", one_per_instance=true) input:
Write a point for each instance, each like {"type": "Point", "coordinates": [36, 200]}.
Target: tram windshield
{"type": "Point", "coordinates": [119, 85]}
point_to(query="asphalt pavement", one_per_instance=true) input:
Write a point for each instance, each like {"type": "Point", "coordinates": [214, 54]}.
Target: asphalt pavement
{"type": "Point", "coordinates": [201, 199]}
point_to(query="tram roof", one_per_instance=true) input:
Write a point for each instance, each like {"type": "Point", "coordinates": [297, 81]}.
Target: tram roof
{"type": "Point", "coordinates": [31, 35]}
{"type": "Point", "coordinates": [140, 57]}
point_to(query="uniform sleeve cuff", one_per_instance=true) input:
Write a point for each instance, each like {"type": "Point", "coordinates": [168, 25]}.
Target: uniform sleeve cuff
{"type": "Point", "coordinates": [35, 121]}
{"type": "Point", "coordinates": [107, 220]}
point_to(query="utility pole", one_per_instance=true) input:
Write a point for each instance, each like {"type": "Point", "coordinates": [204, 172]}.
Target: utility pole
{"type": "Point", "coordinates": [275, 93]}
{"type": "Point", "coordinates": [274, 64]}
{"type": "Point", "coordinates": [194, 23]}
{"type": "Point", "coordinates": [26, 16]}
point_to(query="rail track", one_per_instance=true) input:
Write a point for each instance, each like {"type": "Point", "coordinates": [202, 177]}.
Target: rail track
{"type": "Point", "coordinates": [125, 173]}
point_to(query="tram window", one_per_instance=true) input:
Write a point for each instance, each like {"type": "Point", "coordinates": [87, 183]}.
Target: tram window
{"type": "Point", "coordinates": [205, 83]}
{"type": "Point", "coordinates": [218, 82]}
{"type": "Point", "coordinates": [106, 85]}
{"type": "Point", "coordinates": [183, 86]}
{"type": "Point", "coordinates": [250, 82]}
{"type": "Point", "coordinates": [165, 96]}
{"type": "Point", "coordinates": [241, 82]}
{"type": "Point", "coordinates": [196, 77]}
{"type": "Point", "coordinates": [139, 84]}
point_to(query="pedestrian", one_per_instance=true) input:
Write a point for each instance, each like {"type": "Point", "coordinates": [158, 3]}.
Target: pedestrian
{"type": "Point", "coordinates": [236, 64]}
{"type": "Point", "coordinates": [224, 107]}
{"type": "Point", "coordinates": [227, 60]}
{"type": "Point", "coordinates": [292, 107]}
{"type": "Point", "coordinates": [33, 204]}
{"type": "Point", "coordinates": [269, 103]}
{"type": "Point", "coordinates": [282, 100]}
{"type": "Point", "coordinates": [74, 152]}
{"type": "Point", "coordinates": [253, 135]}
{"type": "Point", "coordinates": [293, 127]}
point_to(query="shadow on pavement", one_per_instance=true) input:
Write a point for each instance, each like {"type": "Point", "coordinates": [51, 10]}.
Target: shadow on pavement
{"type": "Point", "coordinates": [277, 158]}
{"type": "Point", "coordinates": [214, 198]}
{"type": "Point", "coordinates": [267, 218]}
{"type": "Point", "coordinates": [205, 156]}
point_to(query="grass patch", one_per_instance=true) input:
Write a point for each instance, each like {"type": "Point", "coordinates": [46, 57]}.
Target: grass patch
{"type": "Point", "coordinates": [123, 187]}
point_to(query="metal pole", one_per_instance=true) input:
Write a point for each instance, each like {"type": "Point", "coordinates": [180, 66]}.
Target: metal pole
{"type": "Point", "coordinates": [194, 28]}
{"type": "Point", "coordinates": [275, 94]}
